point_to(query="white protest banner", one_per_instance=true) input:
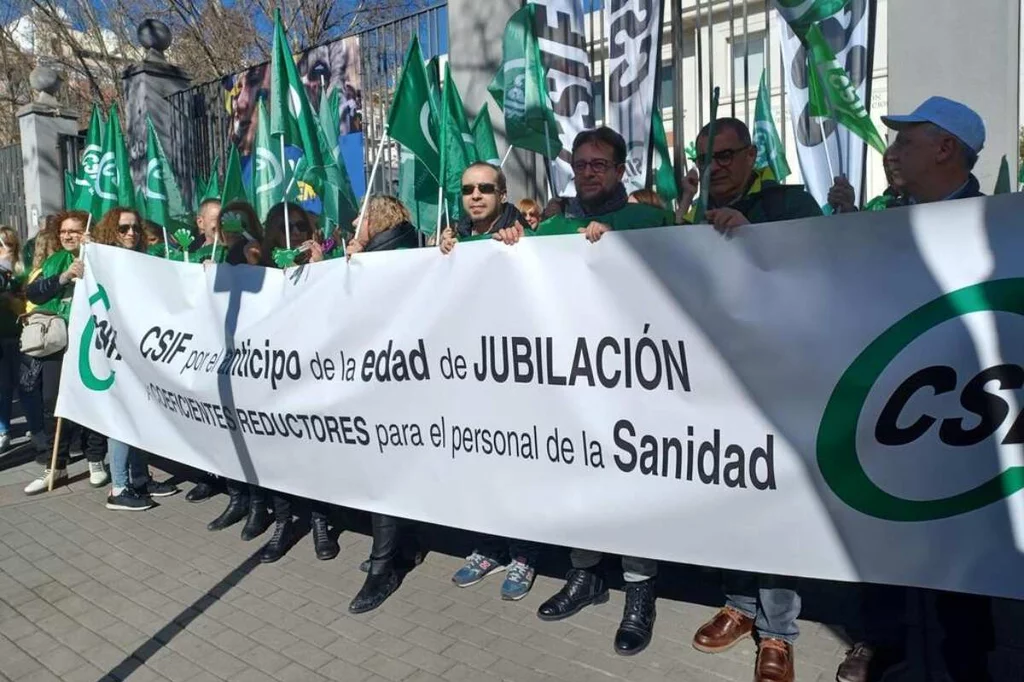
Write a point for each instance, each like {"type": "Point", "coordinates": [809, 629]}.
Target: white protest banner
{"type": "Point", "coordinates": [634, 30]}
{"type": "Point", "coordinates": [829, 398]}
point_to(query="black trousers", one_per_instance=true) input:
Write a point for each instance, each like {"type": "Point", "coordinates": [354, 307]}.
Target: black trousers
{"type": "Point", "coordinates": [279, 502]}
{"type": "Point", "coordinates": [390, 535]}
{"type": "Point", "coordinates": [94, 444]}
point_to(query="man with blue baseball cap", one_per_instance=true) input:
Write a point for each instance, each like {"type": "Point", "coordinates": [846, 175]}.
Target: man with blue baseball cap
{"type": "Point", "coordinates": [936, 148]}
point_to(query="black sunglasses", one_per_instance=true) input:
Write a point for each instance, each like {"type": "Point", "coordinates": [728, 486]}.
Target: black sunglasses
{"type": "Point", "coordinates": [123, 229]}
{"type": "Point", "coordinates": [484, 187]}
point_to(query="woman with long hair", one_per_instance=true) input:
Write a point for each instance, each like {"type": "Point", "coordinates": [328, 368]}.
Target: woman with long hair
{"type": "Point", "coordinates": [16, 371]}
{"type": "Point", "coordinates": [50, 292]}
{"type": "Point", "coordinates": [132, 488]}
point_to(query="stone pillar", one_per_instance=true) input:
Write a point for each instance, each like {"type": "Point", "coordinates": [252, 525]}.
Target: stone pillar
{"type": "Point", "coordinates": [475, 31]}
{"type": "Point", "coordinates": [147, 85]}
{"type": "Point", "coordinates": [41, 123]}
{"type": "Point", "coordinates": [968, 52]}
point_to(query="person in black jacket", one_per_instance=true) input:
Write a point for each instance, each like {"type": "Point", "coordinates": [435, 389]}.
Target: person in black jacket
{"type": "Point", "coordinates": [386, 227]}
{"type": "Point", "coordinates": [485, 205]}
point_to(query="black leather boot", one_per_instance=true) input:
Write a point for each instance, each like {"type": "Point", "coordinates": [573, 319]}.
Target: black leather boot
{"type": "Point", "coordinates": [279, 543]}
{"type": "Point", "coordinates": [238, 507]}
{"type": "Point", "coordinates": [377, 588]}
{"type": "Point", "coordinates": [582, 588]}
{"type": "Point", "coordinates": [325, 546]}
{"type": "Point", "coordinates": [203, 491]}
{"type": "Point", "coordinates": [638, 616]}
{"type": "Point", "coordinates": [258, 520]}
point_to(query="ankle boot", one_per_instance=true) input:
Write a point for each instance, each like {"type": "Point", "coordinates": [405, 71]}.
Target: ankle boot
{"type": "Point", "coordinates": [279, 543]}
{"type": "Point", "coordinates": [238, 507]}
{"type": "Point", "coordinates": [377, 588]}
{"type": "Point", "coordinates": [325, 546]}
{"type": "Point", "coordinates": [638, 616]}
{"type": "Point", "coordinates": [257, 522]}
{"type": "Point", "coordinates": [582, 588]}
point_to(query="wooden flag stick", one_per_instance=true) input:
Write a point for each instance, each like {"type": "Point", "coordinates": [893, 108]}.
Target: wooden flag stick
{"type": "Point", "coordinates": [53, 458]}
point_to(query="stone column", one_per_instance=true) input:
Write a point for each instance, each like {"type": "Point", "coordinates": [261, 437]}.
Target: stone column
{"type": "Point", "coordinates": [147, 85]}
{"type": "Point", "coordinates": [42, 122]}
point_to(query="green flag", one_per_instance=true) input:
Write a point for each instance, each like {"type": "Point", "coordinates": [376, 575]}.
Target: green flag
{"type": "Point", "coordinates": [340, 205]}
{"type": "Point", "coordinates": [1003, 179]}
{"type": "Point", "coordinates": [413, 120]}
{"type": "Point", "coordinates": [1020, 174]}
{"type": "Point", "coordinates": [455, 156]}
{"type": "Point", "coordinates": [529, 119]}
{"type": "Point", "coordinates": [770, 152]}
{"type": "Point", "coordinates": [162, 198]}
{"type": "Point", "coordinates": [234, 187]}
{"type": "Point", "coordinates": [70, 190]}
{"type": "Point", "coordinates": [291, 114]}
{"type": "Point", "coordinates": [661, 161]}
{"type": "Point", "coordinates": [483, 137]}
{"type": "Point", "coordinates": [433, 69]}
{"type": "Point", "coordinates": [846, 107]}
{"type": "Point", "coordinates": [210, 188]}
{"type": "Point", "coordinates": [417, 190]}
{"type": "Point", "coordinates": [268, 173]}
{"type": "Point", "coordinates": [85, 183]}
{"type": "Point", "coordinates": [113, 186]}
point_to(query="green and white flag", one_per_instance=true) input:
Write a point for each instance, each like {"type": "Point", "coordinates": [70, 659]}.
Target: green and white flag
{"type": "Point", "coordinates": [414, 119]}
{"type": "Point", "coordinates": [340, 205]}
{"type": "Point", "coordinates": [663, 176]}
{"type": "Point", "coordinates": [234, 186]}
{"type": "Point", "coordinates": [520, 89]}
{"type": "Point", "coordinates": [417, 190]}
{"type": "Point", "coordinates": [770, 152]}
{"type": "Point", "coordinates": [456, 154]}
{"type": "Point", "coordinates": [849, 46]}
{"type": "Point", "coordinates": [85, 183]}
{"type": "Point", "coordinates": [268, 175]}
{"type": "Point", "coordinates": [113, 186]}
{"type": "Point", "coordinates": [844, 104]}
{"type": "Point", "coordinates": [291, 114]}
{"type": "Point", "coordinates": [161, 194]}
{"type": "Point", "coordinates": [483, 137]}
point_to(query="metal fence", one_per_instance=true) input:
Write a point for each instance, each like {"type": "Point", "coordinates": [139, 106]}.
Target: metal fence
{"type": "Point", "coordinates": [12, 189]}
{"type": "Point", "coordinates": [201, 124]}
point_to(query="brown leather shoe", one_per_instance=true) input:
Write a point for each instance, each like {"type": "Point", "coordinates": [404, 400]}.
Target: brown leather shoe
{"type": "Point", "coordinates": [774, 661]}
{"type": "Point", "coordinates": [723, 631]}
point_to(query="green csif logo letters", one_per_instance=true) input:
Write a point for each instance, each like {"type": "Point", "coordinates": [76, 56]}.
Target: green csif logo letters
{"type": "Point", "coordinates": [837, 455]}
{"type": "Point", "coordinates": [104, 338]}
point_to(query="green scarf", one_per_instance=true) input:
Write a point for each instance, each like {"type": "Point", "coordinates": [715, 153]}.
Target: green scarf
{"type": "Point", "coordinates": [54, 266]}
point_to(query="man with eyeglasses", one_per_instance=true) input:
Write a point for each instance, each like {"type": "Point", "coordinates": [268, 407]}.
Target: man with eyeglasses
{"type": "Point", "coordinates": [738, 193]}
{"type": "Point", "coordinates": [485, 205]}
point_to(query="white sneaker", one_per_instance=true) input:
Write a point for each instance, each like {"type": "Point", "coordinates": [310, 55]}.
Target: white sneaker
{"type": "Point", "coordinates": [5, 442]}
{"type": "Point", "coordinates": [97, 475]}
{"type": "Point", "coordinates": [41, 484]}
{"type": "Point", "coordinates": [40, 442]}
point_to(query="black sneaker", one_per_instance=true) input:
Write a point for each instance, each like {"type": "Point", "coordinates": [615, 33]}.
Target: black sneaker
{"type": "Point", "coordinates": [160, 488]}
{"type": "Point", "coordinates": [129, 500]}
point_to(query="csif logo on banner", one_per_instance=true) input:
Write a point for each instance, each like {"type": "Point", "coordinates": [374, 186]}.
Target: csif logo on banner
{"type": "Point", "coordinates": [912, 413]}
{"type": "Point", "coordinates": [98, 335]}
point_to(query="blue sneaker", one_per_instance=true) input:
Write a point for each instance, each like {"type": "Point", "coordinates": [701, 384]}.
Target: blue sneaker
{"type": "Point", "coordinates": [518, 581]}
{"type": "Point", "coordinates": [476, 569]}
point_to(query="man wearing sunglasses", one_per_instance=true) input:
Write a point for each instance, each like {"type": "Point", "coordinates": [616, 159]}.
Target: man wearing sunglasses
{"type": "Point", "coordinates": [738, 193]}
{"type": "Point", "coordinates": [485, 206]}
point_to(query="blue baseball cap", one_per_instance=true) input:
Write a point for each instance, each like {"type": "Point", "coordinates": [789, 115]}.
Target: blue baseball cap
{"type": "Point", "coordinates": [955, 118]}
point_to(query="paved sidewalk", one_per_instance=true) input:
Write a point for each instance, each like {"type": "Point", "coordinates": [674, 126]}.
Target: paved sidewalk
{"type": "Point", "coordinates": [87, 594]}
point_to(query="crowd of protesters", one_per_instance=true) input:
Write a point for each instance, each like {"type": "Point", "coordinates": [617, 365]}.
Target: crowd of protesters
{"type": "Point", "coordinates": [931, 159]}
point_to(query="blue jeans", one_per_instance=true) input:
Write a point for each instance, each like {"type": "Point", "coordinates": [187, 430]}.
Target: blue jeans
{"type": "Point", "coordinates": [30, 392]}
{"type": "Point", "coordinates": [127, 465]}
{"type": "Point", "coordinates": [774, 609]}
{"type": "Point", "coordinates": [497, 548]}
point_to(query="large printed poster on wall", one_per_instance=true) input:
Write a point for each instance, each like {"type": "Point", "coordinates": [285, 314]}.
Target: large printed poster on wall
{"type": "Point", "coordinates": [325, 68]}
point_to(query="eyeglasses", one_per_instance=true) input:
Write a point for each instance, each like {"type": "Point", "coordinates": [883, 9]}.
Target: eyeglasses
{"type": "Point", "coordinates": [68, 233]}
{"type": "Point", "coordinates": [599, 165]}
{"type": "Point", "coordinates": [128, 227]}
{"type": "Point", "coordinates": [484, 187]}
{"type": "Point", "coordinates": [724, 157]}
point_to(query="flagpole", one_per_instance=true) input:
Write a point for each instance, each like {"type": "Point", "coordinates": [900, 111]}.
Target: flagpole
{"type": "Point", "coordinates": [547, 143]}
{"type": "Point", "coordinates": [287, 221]}
{"type": "Point", "coordinates": [167, 244]}
{"type": "Point", "coordinates": [440, 214]}
{"type": "Point", "coordinates": [505, 157]}
{"type": "Point", "coordinates": [373, 176]}
{"type": "Point", "coordinates": [824, 144]}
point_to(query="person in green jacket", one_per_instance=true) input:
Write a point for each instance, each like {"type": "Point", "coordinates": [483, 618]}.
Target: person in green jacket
{"type": "Point", "coordinates": [738, 194]}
